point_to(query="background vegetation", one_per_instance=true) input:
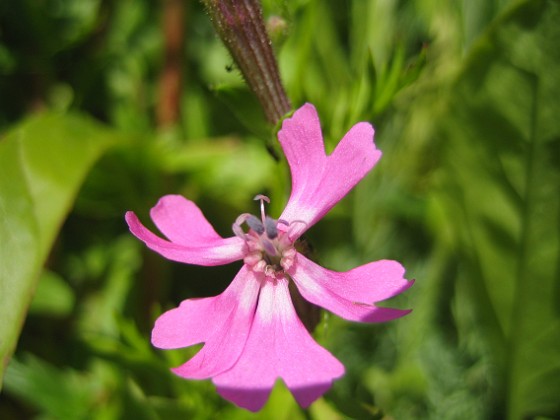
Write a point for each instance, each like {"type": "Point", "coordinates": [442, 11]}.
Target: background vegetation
{"type": "Point", "coordinates": [464, 96]}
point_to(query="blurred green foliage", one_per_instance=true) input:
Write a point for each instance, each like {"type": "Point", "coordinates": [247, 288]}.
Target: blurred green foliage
{"type": "Point", "coordinates": [464, 98]}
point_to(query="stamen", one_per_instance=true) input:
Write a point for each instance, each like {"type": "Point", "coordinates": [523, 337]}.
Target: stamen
{"type": "Point", "coordinates": [262, 199]}
{"type": "Point", "coordinates": [254, 223]}
{"type": "Point", "coordinates": [270, 227]}
{"type": "Point", "coordinates": [236, 227]}
{"type": "Point", "coordinates": [269, 248]}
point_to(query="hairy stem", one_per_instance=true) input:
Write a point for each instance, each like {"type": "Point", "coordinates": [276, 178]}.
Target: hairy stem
{"type": "Point", "coordinates": [241, 27]}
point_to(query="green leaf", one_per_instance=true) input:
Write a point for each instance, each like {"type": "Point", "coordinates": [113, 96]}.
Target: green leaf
{"type": "Point", "coordinates": [215, 167]}
{"type": "Point", "coordinates": [42, 165]}
{"type": "Point", "coordinates": [53, 296]}
{"type": "Point", "coordinates": [31, 379]}
{"type": "Point", "coordinates": [503, 180]}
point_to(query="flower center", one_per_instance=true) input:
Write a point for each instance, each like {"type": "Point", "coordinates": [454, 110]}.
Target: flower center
{"type": "Point", "coordinates": [269, 247]}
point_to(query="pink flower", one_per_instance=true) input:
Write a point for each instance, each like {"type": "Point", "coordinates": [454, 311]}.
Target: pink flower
{"type": "Point", "coordinates": [251, 333]}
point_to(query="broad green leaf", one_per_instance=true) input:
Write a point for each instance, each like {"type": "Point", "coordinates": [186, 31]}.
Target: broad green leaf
{"type": "Point", "coordinates": [42, 165]}
{"type": "Point", "coordinates": [503, 180]}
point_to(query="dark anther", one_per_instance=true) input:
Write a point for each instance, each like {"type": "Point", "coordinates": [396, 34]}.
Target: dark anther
{"type": "Point", "coordinates": [254, 223]}
{"type": "Point", "coordinates": [270, 226]}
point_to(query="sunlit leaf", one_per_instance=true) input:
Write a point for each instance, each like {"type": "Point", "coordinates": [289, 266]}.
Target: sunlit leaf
{"type": "Point", "coordinates": [42, 164]}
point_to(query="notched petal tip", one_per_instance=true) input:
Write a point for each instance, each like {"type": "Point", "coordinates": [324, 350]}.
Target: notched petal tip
{"type": "Point", "coordinates": [183, 326]}
{"type": "Point", "coordinates": [278, 347]}
{"type": "Point", "coordinates": [249, 399]}
{"type": "Point", "coordinates": [354, 294]}
{"type": "Point", "coordinates": [254, 399]}
{"type": "Point", "coordinates": [359, 141]}
{"type": "Point", "coordinates": [305, 396]}
{"type": "Point", "coordinates": [194, 244]}
{"type": "Point", "coordinates": [320, 181]}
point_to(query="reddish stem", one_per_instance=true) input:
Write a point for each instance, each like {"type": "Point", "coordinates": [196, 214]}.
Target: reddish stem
{"type": "Point", "coordinates": [241, 27]}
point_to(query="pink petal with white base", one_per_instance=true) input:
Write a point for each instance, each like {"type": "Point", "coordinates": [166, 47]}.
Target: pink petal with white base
{"type": "Point", "coordinates": [320, 181]}
{"type": "Point", "coordinates": [222, 323]}
{"type": "Point", "coordinates": [193, 240]}
{"type": "Point", "coordinates": [278, 346]}
{"type": "Point", "coordinates": [351, 294]}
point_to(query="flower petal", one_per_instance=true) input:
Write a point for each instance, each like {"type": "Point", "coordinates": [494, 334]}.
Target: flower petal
{"type": "Point", "coordinates": [193, 240]}
{"type": "Point", "coordinates": [278, 346]}
{"type": "Point", "coordinates": [221, 322]}
{"type": "Point", "coordinates": [320, 181]}
{"type": "Point", "coordinates": [181, 221]}
{"type": "Point", "coordinates": [351, 294]}
{"type": "Point", "coordinates": [186, 325]}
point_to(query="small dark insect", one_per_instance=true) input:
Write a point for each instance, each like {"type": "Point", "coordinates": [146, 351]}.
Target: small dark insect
{"type": "Point", "coordinates": [229, 68]}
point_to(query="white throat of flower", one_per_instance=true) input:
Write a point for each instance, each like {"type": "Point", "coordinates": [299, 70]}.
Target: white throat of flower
{"type": "Point", "coordinates": [269, 248]}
